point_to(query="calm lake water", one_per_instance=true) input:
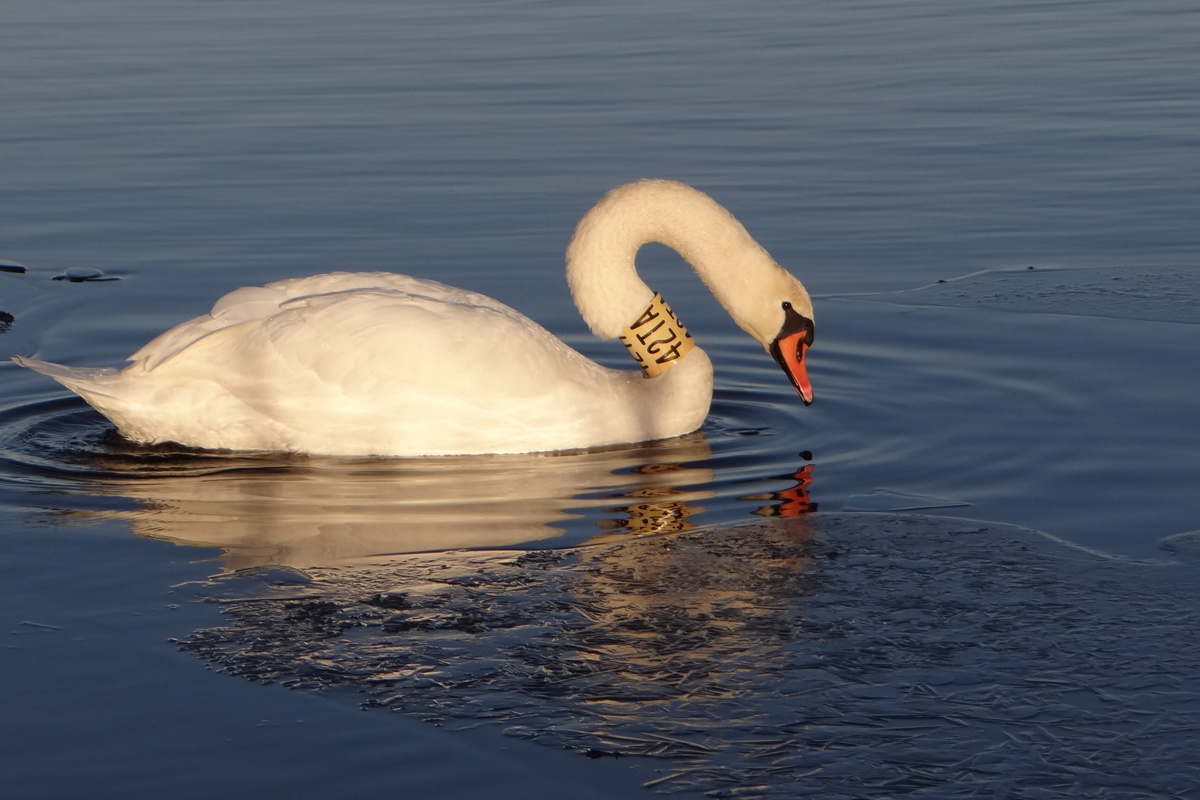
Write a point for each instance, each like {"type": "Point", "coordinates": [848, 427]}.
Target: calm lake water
{"type": "Point", "coordinates": [994, 205]}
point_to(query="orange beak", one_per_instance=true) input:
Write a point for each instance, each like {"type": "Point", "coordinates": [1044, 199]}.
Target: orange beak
{"type": "Point", "coordinates": [789, 351]}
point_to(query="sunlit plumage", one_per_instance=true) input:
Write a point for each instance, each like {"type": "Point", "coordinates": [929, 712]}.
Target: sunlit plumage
{"type": "Point", "coordinates": [385, 364]}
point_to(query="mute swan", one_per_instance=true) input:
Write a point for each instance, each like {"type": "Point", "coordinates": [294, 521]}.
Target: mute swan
{"type": "Point", "coordinates": [382, 364]}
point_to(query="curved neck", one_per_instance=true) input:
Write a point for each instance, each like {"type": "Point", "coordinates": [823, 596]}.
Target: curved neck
{"type": "Point", "coordinates": [600, 259]}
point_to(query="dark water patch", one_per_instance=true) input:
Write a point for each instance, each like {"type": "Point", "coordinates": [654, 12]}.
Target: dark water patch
{"type": "Point", "coordinates": [829, 655]}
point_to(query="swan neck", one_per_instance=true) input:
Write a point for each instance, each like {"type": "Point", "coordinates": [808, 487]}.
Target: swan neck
{"type": "Point", "coordinates": [601, 266]}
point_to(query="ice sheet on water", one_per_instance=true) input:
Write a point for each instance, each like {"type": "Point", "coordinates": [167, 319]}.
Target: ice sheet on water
{"type": "Point", "coordinates": [1184, 546]}
{"type": "Point", "coordinates": [888, 500]}
{"type": "Point", "coordinates": [790, 657]}
{"type": "Point", "coordinates": [1158, 294]}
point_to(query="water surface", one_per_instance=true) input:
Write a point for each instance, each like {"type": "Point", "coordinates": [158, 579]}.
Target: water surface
{"type": "Point", "coordinates": [874, 149]}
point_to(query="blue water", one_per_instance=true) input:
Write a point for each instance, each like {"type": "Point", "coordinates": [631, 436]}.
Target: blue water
{"type": "Point", "coordinates": [873, 148]}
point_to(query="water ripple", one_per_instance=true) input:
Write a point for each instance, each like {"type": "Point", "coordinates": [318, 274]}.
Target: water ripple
{"type": "Point", "coordinates": [303, 510]}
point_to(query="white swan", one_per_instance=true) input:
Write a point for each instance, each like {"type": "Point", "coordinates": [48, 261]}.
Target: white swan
{"type": "Point", "coordinates": [383, 364]}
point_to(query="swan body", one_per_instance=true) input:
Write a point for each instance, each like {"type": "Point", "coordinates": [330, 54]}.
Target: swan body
{"type": "Point", "coordinates": [384, 364]}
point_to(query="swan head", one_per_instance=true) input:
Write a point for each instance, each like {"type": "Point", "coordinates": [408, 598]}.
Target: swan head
{"type": "Point", "coordinates": [782, 322]}
{"type": "Point", "coordinates": [764, 299]}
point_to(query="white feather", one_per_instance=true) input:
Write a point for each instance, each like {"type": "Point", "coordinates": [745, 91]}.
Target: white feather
{"type": "Point", "coordinates": [384, 364]}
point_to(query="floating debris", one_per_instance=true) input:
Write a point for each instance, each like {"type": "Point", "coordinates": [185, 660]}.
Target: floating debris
{"type": "Point", "coordinates": [6, 321]}
{"type": "Point", "coordinates": [84, 275]}
{"type": "Point", "coordinates": [12, 266]}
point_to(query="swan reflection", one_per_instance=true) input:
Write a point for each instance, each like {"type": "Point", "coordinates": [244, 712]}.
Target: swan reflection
{"type": "Point", "coordinates": [312, 511]}
{"type": "Point", "coordinates": [792, 501]}
{"type": "Point", "coordinates": [653, 645]}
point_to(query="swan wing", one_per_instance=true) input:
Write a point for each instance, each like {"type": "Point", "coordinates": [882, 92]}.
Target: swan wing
{"type": "Point", "coordinates": [257, 303]}
{"type": "Point", "coordinates": [378, 370]}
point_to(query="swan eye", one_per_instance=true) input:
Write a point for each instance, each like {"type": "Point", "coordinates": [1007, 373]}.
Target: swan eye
{"type": "Point", "coordinates": [787, 305]}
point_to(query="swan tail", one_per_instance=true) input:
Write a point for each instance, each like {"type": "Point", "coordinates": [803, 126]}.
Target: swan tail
{"type": "Point", "coordinates": [84, 381]}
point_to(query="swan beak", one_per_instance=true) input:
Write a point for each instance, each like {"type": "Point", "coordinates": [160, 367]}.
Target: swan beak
{"type": "Point", "coordinates": [788, 350]}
